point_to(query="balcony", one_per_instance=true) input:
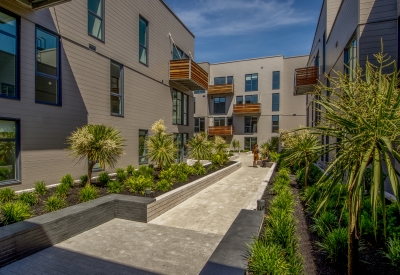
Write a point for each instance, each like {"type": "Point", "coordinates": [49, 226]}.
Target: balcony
{"type": "Point", "coordinates": [41, 4]}
{"type": "Point", "coordinates": [305, 80]}
{"type": "Point", "coordinates": [186, 73]}
{"type": "Point", "coordinates": [220, 130]}
{"type": "Point", "coordinates": [253, 108]}
{"type": "Point", "coordinates": [220, 89]}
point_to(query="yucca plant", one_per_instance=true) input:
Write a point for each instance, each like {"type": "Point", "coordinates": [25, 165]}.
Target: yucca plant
{"type": "Point", "coordinates": [14, 212]}
{"type": "Point", "coordinates": [96, 144]}
{"type": "Point", "coordinates": [40, 187]}
{"type": "Point", "coordinates": [219, 145]}
{"type": "Point", "coordinates": [6, 194]}
{"type": "Point", "coordinates": [200, 148]}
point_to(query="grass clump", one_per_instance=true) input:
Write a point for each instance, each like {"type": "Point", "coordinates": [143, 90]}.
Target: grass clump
{"type": "Point", "coordinates": [393, 254]}
{"type": "Point", "coordinates": [29, 198]}
{"type": "Point", "coordinates": [115, 187]}
{"type": "Point", "coordinates": [267, 259]}
{"type": "Point", "coordinates": [14, 212]}
{"type": "Point", "coordinates": [88, 193]}
{"type": "Point", "coordinates": [324, 223]}
{"type": "Point", "coordinates": [83, 179]}
{"type": "Point", "coordinates": [62, 190]}
{"type": "Point", "coordinates": [104, 178]}
{"type": "Point", "coordinates": [67, 180]}
{"type": "Point", "coordinates": [40, 187]}
{"type": "Point", "coordinates": [6, 195]}
{"type": "Point", "coordinates": [335, 244]}
{"type": "Point", "coordinates": [54, 203]}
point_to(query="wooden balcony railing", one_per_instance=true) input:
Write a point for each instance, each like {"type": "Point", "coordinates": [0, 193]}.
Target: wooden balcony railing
{"type": "Point", "coordinates": [305, 80]}
{"type": "Point", "coordinates": [254, 108]}
{"type": "Point", "coordinates": [187, 73]}
{"type": "Point", "coordinates": [40, 4]}
{"type": "Point", "coordinates": [220, 89]}
{"type": "Point", "coordinates": [220, 130]}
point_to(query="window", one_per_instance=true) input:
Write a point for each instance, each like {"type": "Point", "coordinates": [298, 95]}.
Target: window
{"type": "Point", "coordinates": [239, 99]}
{"type": "Point", "coordinates": [95, 19]}
{"type": "Point", "coordinates": [251, 99]}
{"type": "Point", "coordinates": [230, 121]}
{"type": "Point", "coordinates": [229, 80]}
{"type": "Point", "coordinates": [219, 121]}
{"type": "Point", "coordinates": [199, 91]}
{"type": "Point", "coordinates": [276, 80]}
{"type": "Point", "coordinates": [47, 84]}
{"type": "Point", "coordinates": [9, 150]}
{"type": "Point", "coordinates": [194, 105]}
{"type": "Point", "coordinates": [275, 102]}
{"type": "Point", "coordinates": [275, 124]}
{"type": "Point", "coordinates": [199, 124]}
{"type": "Point", "coordinates": [180, 141]}
{"type": "Point", "coordinates": [178, 54]}
{"type": "Point", "coordinates": [350, 57]}
{"type": "Point", "coordinates": [219, 80]}
{"type": "Point", "coordinates": [323, 52]}
{"type": "Point", "coordinates": [249, 143]}
{"type": "Point", "coordinates": [250, 124]}
{"type": "Point", "coordinates": [143, 40]}
{"type": "Point", "coordinates": [219, 105]}
{"type": "Point", "coordinates": [142, 146]}
{"type": "Point", "coordinates": [180, 108]}
{"type": "Point", "coordinates": [117, 89]}
{"type": "Point", "coordinates": [9, 27]}
{"type": "Point", "coordinates": [251, 82]}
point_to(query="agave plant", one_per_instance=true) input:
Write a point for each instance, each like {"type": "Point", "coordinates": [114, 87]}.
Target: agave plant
{"type": "Point", "coordinates": [199, 147]}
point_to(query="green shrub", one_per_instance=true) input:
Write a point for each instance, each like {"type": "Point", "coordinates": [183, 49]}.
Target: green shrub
{"type": "Point", "coordinates": [393, 254]}
{"type": "Point", "coordinates": [181, 176]}
{"type": "Point", "coordinates": [40, 187]}
{"type": "Point", "coordinates": [267, 259]}
{"type": "Point", "coordinates": [213, 167]}
{"type": "Point", "coordinates": [103, 179]}
{"type": "Point", "coordinates": [199, 168]}
{"type": "Point", "coordinates": [62, 190]}
{"type": "Point", "coordinates": [6, 194]}
{"type": "Point", "coordinates": [83, 179]}
{"type": "Point", "coordinates": [281, 228]}
{"type": "Point", "coordinates": [139, 184]}
{"type": "Point", "coordinates": [67, 179]}
{"type": "Point", "coordinates": [54, 203]}
{"type": "Point", "coordinates": [335, 244]}
{"type": "Point", "coordinates": [164, 185]}
{"type": "Point", "coordinates": [167, 174]}
{"type": "Point", "coordinates": [28, 198]}
{"type": "Point", "coordinates": [146, 171]}
{"type": "Point", "coordinates": [314, 175]}
{"type": "Point", "coordinates": [15, 212]}
{"type": "Point", "coordinates": [121, 175]}
{"type": "Point", "coordinates": [310, 193]}
{"type": "Point", "coordinates": [324, 223]}
{"type": "Point", "coordinates": [274, 156]}
{"type": "Point", "coordinates": [284, 201]}
{"type": "Point", "coordinates": [115, 187]}
{"type": "Point", "coordinates": [130, 170]}
{"type": "Point", "coordinates": [88, 193]}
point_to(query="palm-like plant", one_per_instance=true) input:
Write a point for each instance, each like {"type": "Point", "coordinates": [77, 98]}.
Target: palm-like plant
{"type": "Point", "coordinates": [199, 147]}
{"type": "Point", "coordinates": [236, 144]}
{"type": "Point", "coordinates": [302, 147]}
{"type": "Point", "coordinates": [219, 145]}
{"type": "Point", "coordinates": [363, 113]}
{"type": "Point", "coordinates": [160, 146]}
{"type": "Point", "coordinates": [271, 144]}
{"type": "Point", "coordinates": [98, 144]}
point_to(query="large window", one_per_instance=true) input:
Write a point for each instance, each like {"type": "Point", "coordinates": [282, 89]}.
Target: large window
{"type": "Point", "coordinates": [219, 105]}
{"type": "Point", "coordinates": [199, 124]}
{"type": "Point", "coordinates": [275, 124]}
{"type": "Point", "coordinates": [96, 18]}
{"type": "Point", "coordinates": [239, 99]}
{"type": "Point", "coordinates": [9, 165]}
{"type": "Point", "coordinates": [250, 124]}
{"type": "Point", "coordinates": [251, 99]}
{"type": "Point", "coordinates": [251, 82]}
{"type": "Point", "coordinates": [275, 102]}
{"type": "Point", "coordinates": [178, 54]}
{"type": "Point", "coordinates": [276, 79]}
{"type": "Point", "coordinates": [142, 146]}
{"type": "Point", "coordinates": [219, 121]}
{"type": "Point", "coordinates": [180, 108]}
{"type": "Point", "coordinates": [249, 143]}
{"type": "Point", "coordinates": [350, 57]}
{"type": "Point", "coordinates": [143, 40]}
{"type": "Point", "coordinates": [8, 56]}
{"type": "Point", "coordinates": [47, 84]}
{"type": "Point", "coordinates": [117, 89]}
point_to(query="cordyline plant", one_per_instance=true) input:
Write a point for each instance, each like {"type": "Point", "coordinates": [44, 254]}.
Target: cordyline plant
{"type": "Point", "coordinates": [160, 146]}
{"type": "Point", "coordinates": [98, 144]}
{"type": "Point", "coordinates": [219, 145]}
{"type": "Point", "coordinates": [302, 147]}
{"type": "Point", "coordinates": [199, 147]}
{"type": "Point", "coordinates": [363, 113]}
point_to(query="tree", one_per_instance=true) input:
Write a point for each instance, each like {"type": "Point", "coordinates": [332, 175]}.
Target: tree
{"type": "Point", "coordinates": [199, 147]}
{"type": "Point", "coordinates": [302, 147]}
{"type": "Point", "coordinates": [97, 144]}
{"type": "Point", "coordinates": [363, 113]}
{"type": "Point", "coordinates": [219, 145]}
{"type": "Point", "coordinates": [160, 146]}
{"type": "Point", "coordinates": [236, 144]}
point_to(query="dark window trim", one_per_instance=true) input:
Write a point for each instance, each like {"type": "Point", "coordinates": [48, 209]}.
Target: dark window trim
{"type": "Point", "coordinates": [17, 152]}
{"type": "Point", "coordinates": [147, 160]}
{"type": "Point", "coordinates": [58, 78]}
{"type": "Point", "coordinates": [251, 96]}
{"type": "Point", "coordinates": [17, 55]}
{"type": "Point", "coordinates": [194, 125]}
{"type": "Point", "coordinates": [279, 80]}
{"type": "Point", "coordinates": [147, 41]}
{"type": "Point", "coordinates": [251, 125]}
{"type": "Point", "coordinates": [224, 105]}
{"type": "Point", "coordinates": [182, 110]}
{"type": "Point", "coordinates": [121, 70]}
{"type": "Point", "coordinates": [102, 18]}
{"type": "Point", "coordinates": [251, 82]}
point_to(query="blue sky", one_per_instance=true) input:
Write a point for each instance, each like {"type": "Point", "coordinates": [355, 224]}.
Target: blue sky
{"type": "Point", "coordinates": [238, 29]}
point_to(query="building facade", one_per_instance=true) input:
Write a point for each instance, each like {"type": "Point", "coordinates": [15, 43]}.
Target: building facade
{"type": "Point", "coordinates": [87, 62]}
{"type": "Point", "coordinates": [250, 100]}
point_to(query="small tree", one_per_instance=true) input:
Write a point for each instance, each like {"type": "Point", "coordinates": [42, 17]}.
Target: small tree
{"type": "Point", "coordinates": [160, 146]}
{"type": "Point", "coordinates": [97, 144]}
{"type": "Point", "coordinates": [236, 144]}
{"type": "Point", "coordinates": [219, 145]}
{"type": "Point", "coordinates": [199, 147]}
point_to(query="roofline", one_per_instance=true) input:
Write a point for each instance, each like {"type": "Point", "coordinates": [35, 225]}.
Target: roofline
{"type": "Point", "coordinates": [176, 16]}
{"type": "Point", "coordinates": [256, 58]}
{"type": "Point", "coordinates": [295, 56]}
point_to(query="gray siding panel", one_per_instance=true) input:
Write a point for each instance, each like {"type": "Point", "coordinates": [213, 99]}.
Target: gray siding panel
{"type": "Point", "coordinates": [377, 10]}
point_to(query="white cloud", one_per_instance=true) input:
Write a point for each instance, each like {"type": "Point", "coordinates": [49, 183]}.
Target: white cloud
{"type": "Point", "coordinates": [233, 17]}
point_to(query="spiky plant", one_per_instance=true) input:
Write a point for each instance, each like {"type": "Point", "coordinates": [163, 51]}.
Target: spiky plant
{"type": "Point", "coordinates": [199, 147]}
{"type": "Point", "coordinates": [236, 144]}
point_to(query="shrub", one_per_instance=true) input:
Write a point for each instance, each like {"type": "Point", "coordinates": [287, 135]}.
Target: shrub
{"type": "Point", "coordinates": [281, 228]}
{"type": "Point", "coordinates": [199, 168]}
{"type": "Point", "coordinates": [54, 203]}
{"type": "Point", "coordinates": [267, 259]}
{"type": "Point", "coordinates": [62, 190]}
{"type": "Point", "coordinates": [83, 179]}
{"type": "Point", "coordinates": [164, 185]}
{"type": "Point", "coordinates": [283, 201]}
{"type": "Point", "coordinates": [104, 178]}
{"type": "Point", "coordinates": [393, 254]}
{"type": "Point", "coordinates": [313, 175]}
{"type": "Point", "coordinates": [29, 198]}
{"type": "Point", "coordinates": [67, 179]}
{"type": "Point", "coordinates": [181, 176]}
{"type": "Point", "coordinates": [15, 212]}
{"type": "Point", "coordinates": [121, 175]}
{"type": "Point", "coordinates": [217, 159]}
{"type": "Point", "coordinates": [115, 187]}
{"type": "Point", "coordinates": [139, 184]}
{"type": "Point", "coordinates": [324, 223]}
{"type": "Point", "coordinates": [308, 194]}
{"type": "Point", "coordinates": [7, 194]}
{"type": "Point", "coordinates": [213, 167]}
{"type": "Point", "coordinates": [146, 171]}
{"type": "Point", "coordinates": [88, 193]}
{"type": "Point", "coordinates": [130, 170]}
{"type": "Point", "coordinates": [335, 244]}
{"type": "Point", "coordinates": [40, 187]}
{"type": "Point", "coordinates": [274, 156]}
{"type": "Point", "coordinates": [167, 174]}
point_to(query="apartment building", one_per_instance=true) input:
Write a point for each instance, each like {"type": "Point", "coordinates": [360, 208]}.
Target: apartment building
{"type": "Point", "coordinates": [250, 100]}
{"type": "Point", "coordinates": [65, 64]}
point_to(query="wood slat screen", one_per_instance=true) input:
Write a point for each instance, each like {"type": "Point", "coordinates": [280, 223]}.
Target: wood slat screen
{"type": "Point", "coordinates": [247, 108]}
{"type": "Point", "coordinates": [199, 75]}
{"type": "Point", "coordinates": [189, 74]}
{"type": "Point", "coordinates": [179, 69]}
{"type": "Point", "coordinates": [220, 89]}
{"type": "Point", "coordinates": [220, 130]}
{"type": "Point", "coordinates": [307, 76]}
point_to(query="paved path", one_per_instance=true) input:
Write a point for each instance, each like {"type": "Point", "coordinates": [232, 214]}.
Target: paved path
{"type": "Point", "coordinates": [179, 242]}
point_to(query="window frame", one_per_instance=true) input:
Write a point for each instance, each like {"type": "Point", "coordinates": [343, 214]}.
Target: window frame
{"type": "Point", "coordinates": [145, 149]}
{"type": "Point", "coordinates": [240, 96]}
{"type": "Point", "coordinates": [214, 104]}
{"type": "Point", "coordinates": [199, 119]}
{"type": "Point", "coordinates": [252, 96]}
{"type": "Point", "coordinates": [276, 82]}
{"type": "Point", "coordinates": [273, 130]}
{"type": "Point", "coordinates": [58, 78]}
{"type": "Point", "coordinates": [275, 106]}
{"type": "Point", "coordinates": [346, 56]}
{"type": "Point", "coordinates": [249, 129]}
{"type": "Point", "coordinates": [17, 139]}
{"type": "Point", "coordinates": [121, 95]}
{"type": "Point", "coordinates": [147, 41]}
{"type": "Point", "coordinates": [219, 119]}
{"type": "Point", "coordinates": [182, 113]}
{"type": "Point", "coordinates": [251, 79]}
{"type": "Point", "coordinates": [251, 143]}
{"type": "Point", "coordinates": [17, 55]}
{"type": "Point", "coordinates": [102, 18]}
{"type": "Point", "coordinates": [220, 78]}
